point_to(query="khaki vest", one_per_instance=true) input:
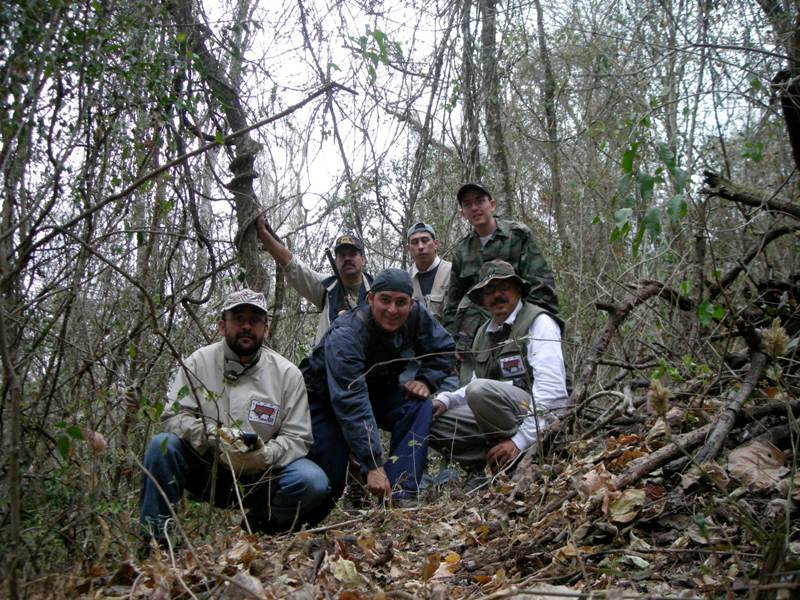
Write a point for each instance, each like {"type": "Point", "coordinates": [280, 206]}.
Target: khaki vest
{"type": "Point", "coordinates": [503, 355]}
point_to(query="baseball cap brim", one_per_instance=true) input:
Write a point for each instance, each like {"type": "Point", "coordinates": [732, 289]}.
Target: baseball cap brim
{"type": "Point", "coordinates": [471, 187]}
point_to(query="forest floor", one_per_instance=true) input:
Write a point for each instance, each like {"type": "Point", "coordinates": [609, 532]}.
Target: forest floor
{"type": "Point", "coordinates": [559, 528]}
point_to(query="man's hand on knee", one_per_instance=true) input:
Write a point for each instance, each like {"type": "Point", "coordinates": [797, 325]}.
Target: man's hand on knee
{"type": "Point", "coordinates": [417, 388]}
{"type": "Point", "coordinates": [501, 454]}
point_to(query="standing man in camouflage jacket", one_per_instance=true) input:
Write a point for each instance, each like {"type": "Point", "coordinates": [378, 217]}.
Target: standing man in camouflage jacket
{"type": "Point", "coordinates": [491, 238]}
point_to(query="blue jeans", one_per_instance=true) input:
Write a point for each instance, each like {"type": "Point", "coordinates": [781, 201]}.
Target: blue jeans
{"type": "Point", "coordinates": [408, 421]}
{"type": "Point", "coordinates": [277, 500]}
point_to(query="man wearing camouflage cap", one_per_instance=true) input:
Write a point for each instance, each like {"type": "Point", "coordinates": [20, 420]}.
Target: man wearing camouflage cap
{"type": "Point", "coordinates": [245, 404]}
{"type": "Point", "coordinates": [491, 238]}
{"type": "Point", "coordinates": [518, 385]}
{"type": "Point", "coordinates": [324, 291]}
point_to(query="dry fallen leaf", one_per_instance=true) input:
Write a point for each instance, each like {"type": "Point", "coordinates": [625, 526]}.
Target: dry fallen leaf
{"type": "Point", "coordinates": [757, 465]}
{"type": "Point", "coordinates": [431, 566]}
{"type": "Point", "coordinates": [345, 571]}
{"type": "Point", "coordinates": [625, 508]}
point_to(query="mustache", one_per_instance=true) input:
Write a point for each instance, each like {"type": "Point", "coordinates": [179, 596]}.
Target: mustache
{"type": "Point", "coordinates": [499, 300]}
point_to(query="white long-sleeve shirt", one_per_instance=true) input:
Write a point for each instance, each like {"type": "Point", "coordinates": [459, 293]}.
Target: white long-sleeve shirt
{"type": "Point", "coordinates": [549, 378]}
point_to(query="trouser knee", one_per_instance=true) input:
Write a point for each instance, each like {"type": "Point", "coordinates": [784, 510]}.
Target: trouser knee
{"type": "Point", "coordinates": [164, 448]}
{"type": "Point", "coordinates": [493, 404]}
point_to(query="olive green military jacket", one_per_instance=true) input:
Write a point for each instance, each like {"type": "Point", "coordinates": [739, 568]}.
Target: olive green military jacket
{"type": "Point", "coordinates": [512, 242]}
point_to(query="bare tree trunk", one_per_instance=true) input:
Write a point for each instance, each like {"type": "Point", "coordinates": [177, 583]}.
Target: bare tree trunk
{"type": "Point", "coordinates": [197, 34]}
{"type": "Point", "coordinates": [469, 132]}
{"type": "Point", "coordinates": [551, 121]}
{"type": "Point", "coordinates": [491, 96]}
{"type": "Point", "coordinates": [787, 31]}
{"type": "Point", "coordinates": [425, 134]}
{"type": "Point", "coordinates": [9, 347]}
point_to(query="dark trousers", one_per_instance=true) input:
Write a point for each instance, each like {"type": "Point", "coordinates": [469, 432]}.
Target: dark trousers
{"type": "Point", "coordinates": [407, 420]}
{"type": "Point", "coordinates": [275, 500]}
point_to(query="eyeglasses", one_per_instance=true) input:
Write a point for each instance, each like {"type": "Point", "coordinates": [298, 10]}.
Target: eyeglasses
{"type": "Point", "coordinates": [468, 203]}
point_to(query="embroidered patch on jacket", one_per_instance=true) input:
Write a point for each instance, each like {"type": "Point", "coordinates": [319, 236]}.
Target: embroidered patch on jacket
{"type": "Point", "coordinates": [512, 366]}
{"type": "Point", "coordinates": [263, 412]}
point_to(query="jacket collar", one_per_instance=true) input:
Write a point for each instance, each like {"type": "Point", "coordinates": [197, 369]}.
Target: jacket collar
{"type": "Point", "coordinates": [434, 264]}
{"type": "Point", "coordinates": [503, 230]}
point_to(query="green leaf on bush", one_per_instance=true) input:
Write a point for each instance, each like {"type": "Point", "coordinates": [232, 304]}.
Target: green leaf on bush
{"type": "Point", "coordinates": [74, 432]}
{"type": "Point", "coordinates": [380, 39]}
{"type": "Point", "coordinates": [676, 208]}
{"type": "Point", "coordinates": [708, 312]}
{"type": "Point", "coordinates": [63, 444]}
{"type": "Point", "coordinates": [628, 157]}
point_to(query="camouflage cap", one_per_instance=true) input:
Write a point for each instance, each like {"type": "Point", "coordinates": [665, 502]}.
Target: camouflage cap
{"type": "Point", "coordinates": [348, 239]}
{"type": "Point", "coordinates": [492, 270]}
{"type": "Point", "coordinates": [256, 299]}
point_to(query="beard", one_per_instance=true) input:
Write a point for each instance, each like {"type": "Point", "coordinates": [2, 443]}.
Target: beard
{"type": "Point", "coordinates": [244, 344]}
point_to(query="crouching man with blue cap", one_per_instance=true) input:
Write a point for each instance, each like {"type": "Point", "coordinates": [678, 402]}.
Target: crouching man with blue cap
{"type": "Point", "coordinates": [247, 405]}
{"type": "Point", "coordinates": [354, 389]}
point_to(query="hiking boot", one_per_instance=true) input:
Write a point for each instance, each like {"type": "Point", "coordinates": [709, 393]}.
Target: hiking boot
{"type": "Point", "coordinates": [476, 480]}
{"type": "Point", "coordinates": [406, 502]}
{"type": "Point", "coordinates": [432, 486]}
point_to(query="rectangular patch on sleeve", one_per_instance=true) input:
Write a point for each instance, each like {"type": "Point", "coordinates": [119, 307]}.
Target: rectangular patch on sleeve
{"type": "Point", "coordinates": [512, 366]}
{"type": "Point", "coordinates": [263, 412]}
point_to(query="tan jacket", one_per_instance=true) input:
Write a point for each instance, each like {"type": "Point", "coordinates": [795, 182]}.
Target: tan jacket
{"type": "Point", "coordinates": [269, 399]}
{"type": "Point", "coordinates": [308, 284]}
{"type": "Point", "coordinates": [436, 300]}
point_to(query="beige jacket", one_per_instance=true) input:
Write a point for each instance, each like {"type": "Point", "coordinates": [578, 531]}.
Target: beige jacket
{"type": "Point", "coordinates": [269, 399]}
{"type": "Point", "coordinates": [308, 284]}
{"type": "Point", "coordinates": [436, 300]}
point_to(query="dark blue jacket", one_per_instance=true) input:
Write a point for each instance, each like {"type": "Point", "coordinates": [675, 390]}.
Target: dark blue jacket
{"type": "Point", "coordinates": [350, 360]}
